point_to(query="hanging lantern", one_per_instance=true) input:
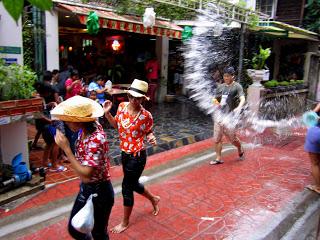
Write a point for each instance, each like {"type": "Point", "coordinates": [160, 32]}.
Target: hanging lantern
{"type": "Point", "coordinates": [149, 17]}
{"type": "Point", "coordinates": [115, 45]}
{"type": "Point", "coordinates": [187, 33]}
{"type": "Point", "coordinates": [93, 23]}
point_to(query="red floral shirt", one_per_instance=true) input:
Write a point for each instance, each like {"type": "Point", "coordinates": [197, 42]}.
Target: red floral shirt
{"type": "Point", "coordinates": [93, 152]}
{"type": "Point", "coordinates": [132, 129]}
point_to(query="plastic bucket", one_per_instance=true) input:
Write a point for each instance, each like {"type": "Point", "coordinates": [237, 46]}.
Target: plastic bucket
{"type": "Point", "coordinates": [16, 160]}
{"type": "Point", "coordinates": [310, 118]}
{"type": "Point", "coordinates": [21, 168]}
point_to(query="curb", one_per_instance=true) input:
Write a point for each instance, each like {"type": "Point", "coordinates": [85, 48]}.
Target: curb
{"type": "Point", "coordinates": [283, 226]}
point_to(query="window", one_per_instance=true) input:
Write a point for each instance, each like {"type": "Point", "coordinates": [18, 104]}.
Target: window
{"type": "Point", "coordinates": [86, 42]}
{"type": "Point", "coordinates": [265, 6]}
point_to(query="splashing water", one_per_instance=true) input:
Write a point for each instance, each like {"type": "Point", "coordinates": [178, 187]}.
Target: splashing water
{"type": "Point", "coordinates": [200, 53]}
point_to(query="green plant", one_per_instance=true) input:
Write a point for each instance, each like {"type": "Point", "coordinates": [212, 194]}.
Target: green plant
{"type": "Point", "coordinates": [311, 19]}
{"type": "Point", "coordinates": [253, 20]}
{"type": "Point", "coordinates": [271, 83]}
{"type": "Point", "coordinates": [284, 83]}
{"type": "Point", "coordinates": [259, 59]}
{"type": "Point", "coordinates": [16, 82]}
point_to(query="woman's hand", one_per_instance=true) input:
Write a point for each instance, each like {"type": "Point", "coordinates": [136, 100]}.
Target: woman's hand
{"type": "Point", "coordinates": [62, 141]}
{"type": "Point", "coordinates": [107, 106]}
{"type": "Point", "coordinates": [151, 139]}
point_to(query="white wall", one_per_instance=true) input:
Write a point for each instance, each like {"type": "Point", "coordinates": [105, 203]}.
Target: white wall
{"type": "Point", "coordinates": [162, 51]}
{"type": "Point", "coordinates": [52, 40]}
{"type": "Point", "coordinates": [13, 140]}
{"type": "Point", "coordinates": [10, 35]}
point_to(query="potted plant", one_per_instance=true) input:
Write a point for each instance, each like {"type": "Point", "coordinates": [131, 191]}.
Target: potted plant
{"type": "Point", "coordinates": [259, 71]}
{"type": "Point", "coordinates": [16, 90]}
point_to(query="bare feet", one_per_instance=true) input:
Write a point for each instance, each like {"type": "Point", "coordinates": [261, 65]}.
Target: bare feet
{"type": "Point", "coordinates": [119, 228]}
{"type": "Point", "coordinates": [313, 188]}
{"type": "Point", "coordinates": [155, 204]}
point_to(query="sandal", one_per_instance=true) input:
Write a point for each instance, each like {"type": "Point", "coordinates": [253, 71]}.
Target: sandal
{"type": "Point", "coordinates": [241, 156]}
{"type": "Point", "coordinates": [59, 169]}
{"type": "Point", "coordinates": [313, 188]}
{"type": "Point", "coordinates": [214, 162]}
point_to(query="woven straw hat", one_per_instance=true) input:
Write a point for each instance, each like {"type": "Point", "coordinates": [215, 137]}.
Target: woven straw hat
{"type": "Point", "coordinates": [138, 88]}
{"type": "Point", "coordinates": [77, 109]}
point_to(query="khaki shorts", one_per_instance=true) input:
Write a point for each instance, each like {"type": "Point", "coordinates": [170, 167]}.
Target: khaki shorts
{"type": "Point", "coordinates": [219, 130]}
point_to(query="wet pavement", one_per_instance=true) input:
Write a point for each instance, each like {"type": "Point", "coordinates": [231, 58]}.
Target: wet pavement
{"type": "Point", "coordinates": [252, 199]}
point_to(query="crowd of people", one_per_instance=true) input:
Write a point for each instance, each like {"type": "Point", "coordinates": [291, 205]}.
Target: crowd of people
{"type": "Point", "coordinates": [55, 88]}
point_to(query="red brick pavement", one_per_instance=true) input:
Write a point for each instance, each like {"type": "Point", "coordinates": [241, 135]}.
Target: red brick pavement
{"type": "Point", "coordinates": [237, 197]}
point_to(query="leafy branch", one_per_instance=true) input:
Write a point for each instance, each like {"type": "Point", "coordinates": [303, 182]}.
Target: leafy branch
{"type": "Point", "coordinates": [15, 7]}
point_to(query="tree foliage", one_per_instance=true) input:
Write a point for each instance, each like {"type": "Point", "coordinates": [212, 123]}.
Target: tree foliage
{"type": "Point", "coordinates": [15, 7]}
{"type": "Point", "coordinates": [138, 7]}
{"type": "Point", "coordinates": [311, 20]}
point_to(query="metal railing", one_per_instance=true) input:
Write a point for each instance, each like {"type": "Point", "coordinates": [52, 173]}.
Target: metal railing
{"type": "Point", "coordinates": [222, 7]}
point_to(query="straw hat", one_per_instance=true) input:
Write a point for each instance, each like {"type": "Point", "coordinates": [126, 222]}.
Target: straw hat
{"type": "Point", "coordinates": [138, 88]}
{"type": "Point", "coordinates": [77, 109]}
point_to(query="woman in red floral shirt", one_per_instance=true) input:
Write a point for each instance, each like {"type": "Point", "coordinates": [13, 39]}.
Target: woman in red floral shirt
{"type": "Point", "coordinates": [134, 123]}
{"type": "Point", "coordinates": [90, 162]}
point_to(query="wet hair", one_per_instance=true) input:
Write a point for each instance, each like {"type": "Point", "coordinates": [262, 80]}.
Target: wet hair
{"type": "Point", "coordinates": [229, 70]}
{"type": "Point", "coordinates": [74, 73]}
{"type": "Point", "coordinates": [90, 127]}
{"type": "Point", "coordinates": [99, 77]}
{"type": "Point", "coordinates": [42, 87]}
{"type": "Point", "coordinates": [47, 76]}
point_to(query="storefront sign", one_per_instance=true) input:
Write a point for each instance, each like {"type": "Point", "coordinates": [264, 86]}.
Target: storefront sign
{"type": "Point", "coordinates": [10, 50]}
{"type": "Point", "coordinates": [9, 61]}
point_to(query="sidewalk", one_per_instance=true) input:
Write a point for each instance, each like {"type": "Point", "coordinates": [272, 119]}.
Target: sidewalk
{"type": "Point", "coordinates": [234, 200]}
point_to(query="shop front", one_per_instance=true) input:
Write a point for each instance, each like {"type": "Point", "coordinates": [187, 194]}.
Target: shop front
{"type": "Point", "coordinates": [119, 51]}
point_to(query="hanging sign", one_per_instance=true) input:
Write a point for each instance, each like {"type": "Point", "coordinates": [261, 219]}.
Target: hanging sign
{"type": "Point", "coordinates": [10, 50]}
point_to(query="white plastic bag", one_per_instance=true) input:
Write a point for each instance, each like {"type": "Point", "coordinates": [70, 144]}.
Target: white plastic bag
{"type": "Point", "coordinates": [83, 221]}
{"type": "Point", "coordinates": [149, 17]}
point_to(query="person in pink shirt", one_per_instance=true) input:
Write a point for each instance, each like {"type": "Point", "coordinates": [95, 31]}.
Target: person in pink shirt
{"type": "Point", "coordinates": [152, 70]}
{"type": "Point", "coordinates": [73, 85]}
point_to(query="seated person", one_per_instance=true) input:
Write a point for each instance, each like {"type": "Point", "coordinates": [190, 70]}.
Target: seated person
{"type": "Point", "coordinates": [99, 87]}
{"type": "Point", "coordinates": [93, 96]}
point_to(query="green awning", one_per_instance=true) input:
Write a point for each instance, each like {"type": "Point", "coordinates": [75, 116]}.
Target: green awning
{"type": "Point", "coordinates": [279, 29]}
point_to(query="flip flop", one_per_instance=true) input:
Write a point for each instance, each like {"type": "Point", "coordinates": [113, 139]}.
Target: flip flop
{"type": "Point", "coordinates": [214, 162]}
{"type": "Point", "coordinates": [313, 188]}
{"type": "Point", "coordinates": [59, 169]}
{"type": "Point", "coordinates": [241, 156]}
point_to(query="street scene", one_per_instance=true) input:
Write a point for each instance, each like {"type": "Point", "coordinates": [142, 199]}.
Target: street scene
{"type": "Point", "coordinates": [159, 119]}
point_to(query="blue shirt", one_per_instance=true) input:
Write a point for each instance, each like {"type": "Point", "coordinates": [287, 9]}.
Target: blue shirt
{"type": "Point", "coordinates": [93, 86]}
{"type": "Point", "coordinates": [312, 142]}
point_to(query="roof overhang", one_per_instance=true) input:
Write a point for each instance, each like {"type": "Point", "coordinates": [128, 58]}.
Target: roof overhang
{"type": "Point", "coordinates": [283, 30]}
{"type": "Point", "coordinates": [129, 23]}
